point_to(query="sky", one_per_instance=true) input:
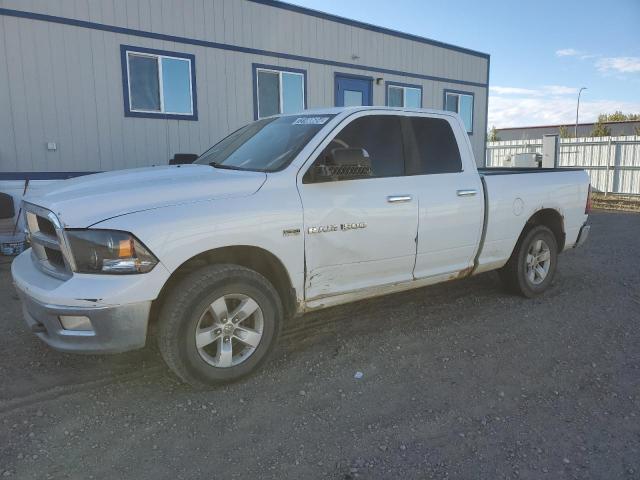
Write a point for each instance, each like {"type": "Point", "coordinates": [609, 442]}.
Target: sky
{"type": "Point", "coordinates": [541, 51]}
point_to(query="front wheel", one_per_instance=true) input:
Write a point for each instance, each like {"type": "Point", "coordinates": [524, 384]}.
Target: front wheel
{"type": "Point", "coordinates": [532, 266]}
{"type": "Point", "coordinates": [219, 324]}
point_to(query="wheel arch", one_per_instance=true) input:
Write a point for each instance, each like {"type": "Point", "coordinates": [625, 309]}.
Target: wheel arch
{"type": "Point", "coordinates": [550, 218]}
{"type": "Point", "coordinates": [249, 256]}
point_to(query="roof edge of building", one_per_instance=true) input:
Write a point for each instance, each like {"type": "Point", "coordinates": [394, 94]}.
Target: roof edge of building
{"type": "Point", "coordinates": [368, 26]}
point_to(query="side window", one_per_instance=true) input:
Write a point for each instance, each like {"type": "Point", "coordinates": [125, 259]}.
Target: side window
{"type": "Point", "coordinates": [158, 84]}
{"type": "Point", "coordinates": [436, 147]}
{"type": "Point", "coordinates": [278, 91]}
{"type": "Point", "coordinates": [404, 95]}
{"type": "Point", "coordinates": [461, 103]}
{"type": "Point", "coordinates": [380, 136]}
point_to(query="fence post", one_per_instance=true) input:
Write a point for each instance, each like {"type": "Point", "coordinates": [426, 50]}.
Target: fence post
{"type": "Point", "coordinates": [617, 154]}
{"type": "Point", "coordinates": [606, 183]}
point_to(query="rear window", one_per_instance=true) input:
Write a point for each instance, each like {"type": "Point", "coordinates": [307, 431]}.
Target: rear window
{"type": "Point", "coordinates": [436, 147]}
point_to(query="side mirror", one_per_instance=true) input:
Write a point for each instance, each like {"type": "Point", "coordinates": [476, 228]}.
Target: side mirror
{"type": "Point", "coordinates": [7, 207]}
{"type": "Point", "coordinates": [183, 158]}
{"type": "Point", "coordinates": [345, 164]}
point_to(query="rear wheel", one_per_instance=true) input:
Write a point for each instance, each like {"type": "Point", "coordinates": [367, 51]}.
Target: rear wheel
{"type": "Point", "coordinates": [532, 266]}
{"type": "Point", "coordinates": [219, 324]}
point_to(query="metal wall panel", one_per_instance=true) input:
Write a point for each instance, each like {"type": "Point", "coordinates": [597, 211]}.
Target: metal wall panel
{"type": "Point", "coordinates": [62, 83]}
{"type": "Point", "coordinates": [584, 130]}
{"type": "Point", "coordinates": [613, 163]}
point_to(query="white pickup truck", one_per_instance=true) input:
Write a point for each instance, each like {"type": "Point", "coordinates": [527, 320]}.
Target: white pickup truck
{"type": "Point", "coordinates": [286, 215]}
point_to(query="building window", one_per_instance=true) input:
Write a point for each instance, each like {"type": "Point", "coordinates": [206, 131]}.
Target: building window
{"type": "Point", "coordinates": [158, 84]}
{"type": "Point", "coordinates": [462, 104]}
{"type": "Point", "coordinates": [278, 90]}
{"type": "Point", "coordinates": [401, 95]}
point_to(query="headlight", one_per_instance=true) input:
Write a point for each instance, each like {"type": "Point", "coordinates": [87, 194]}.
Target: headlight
{"type": "Point", "coordinates": [109, 251]}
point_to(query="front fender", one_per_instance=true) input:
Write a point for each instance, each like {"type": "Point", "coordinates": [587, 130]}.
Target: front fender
{"type": "Point", "coordinates": [178, 233]}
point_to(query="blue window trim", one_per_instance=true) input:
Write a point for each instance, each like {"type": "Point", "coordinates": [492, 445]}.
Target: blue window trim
{"type": "Point", "coordinates": [461, 92]}
{"type": "Point", "coordinates": [229, 47]}
{"type": "Point", "coordinates": [125, 83]}
{"type": "Point", "coordinates": [405, 85]}
{"type": "Point", "coordinates": [349, 75]}
{"type": "Point", "coordinates": [254, 69]}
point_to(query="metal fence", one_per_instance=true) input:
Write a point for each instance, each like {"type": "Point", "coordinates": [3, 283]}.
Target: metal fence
{"type": "Point", "coordinates": [613, 163]}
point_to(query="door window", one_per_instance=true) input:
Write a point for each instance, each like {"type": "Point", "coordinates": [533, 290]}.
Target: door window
{"type": "Point", "coordinates": [380, 136]}
{"type": "Point", "coordinates": [353, 91]}
{"type": "Point", "coordinates": [352, 98]}
{"type": "Point", "coordinates": [436, 149]}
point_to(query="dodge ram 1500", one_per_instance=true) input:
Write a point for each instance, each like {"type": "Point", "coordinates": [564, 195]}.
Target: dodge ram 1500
{"type": "Point", "coordinates": [286, 215]}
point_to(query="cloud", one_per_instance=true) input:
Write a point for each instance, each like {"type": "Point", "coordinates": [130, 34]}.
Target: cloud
{"type": "Point", "coordinates": [512, 91]}
{"type": "Point", "coordinates": [619, 64]}
{"type": "Point", "coordinates": [509, 111]}
{"type": "Point", "coordinates": [568, 52]}
{"type": "Point", "coordinates": [543, 91]}
{"type": "Point", "coordinates": [604, 64]}
{"type": "Point", "coordinates": [560, 90]}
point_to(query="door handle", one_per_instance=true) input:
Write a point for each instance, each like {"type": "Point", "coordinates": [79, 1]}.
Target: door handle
{"type": "Point", "coordinates": [399, 198]}
{"type": "Point", "coordinates": [466, 193]}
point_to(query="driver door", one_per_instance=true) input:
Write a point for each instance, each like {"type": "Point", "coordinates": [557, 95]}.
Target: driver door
{"type": "Point", "coordinates": [360, 233]}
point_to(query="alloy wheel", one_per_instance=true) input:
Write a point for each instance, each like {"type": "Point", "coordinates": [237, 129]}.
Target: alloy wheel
{"type": "Point", "coordinates": [229, 330]}
{"type": "Point", "coordinates": [538, 262]}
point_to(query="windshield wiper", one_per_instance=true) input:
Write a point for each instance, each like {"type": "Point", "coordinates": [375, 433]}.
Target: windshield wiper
{"type": "Point", "coordinates": [226, 167]}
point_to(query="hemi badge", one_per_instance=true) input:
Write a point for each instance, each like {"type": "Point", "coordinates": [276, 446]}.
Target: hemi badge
{"type": "Point", "coordinates": [290, 232]}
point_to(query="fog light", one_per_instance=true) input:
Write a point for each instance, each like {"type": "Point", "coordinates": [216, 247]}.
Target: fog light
{"type": "Point", "coordinates": [78, 323]}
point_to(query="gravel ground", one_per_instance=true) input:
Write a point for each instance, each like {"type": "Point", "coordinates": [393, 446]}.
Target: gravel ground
{"type": "Point", "coordinates": [459, 381]}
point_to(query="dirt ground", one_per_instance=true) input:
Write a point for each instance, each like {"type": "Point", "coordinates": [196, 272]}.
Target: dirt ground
{"type": "Point", "coordinates": [459, 381]}
{"type": "Point", "coordinates": [625, 203]}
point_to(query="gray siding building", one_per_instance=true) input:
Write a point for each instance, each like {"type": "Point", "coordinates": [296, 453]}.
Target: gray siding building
{"type": "Point", "coordinates": [95, 85]}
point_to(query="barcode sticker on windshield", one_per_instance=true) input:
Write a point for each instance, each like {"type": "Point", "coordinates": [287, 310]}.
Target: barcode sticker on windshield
{"type": "Point", "coordinates": [311, 121]}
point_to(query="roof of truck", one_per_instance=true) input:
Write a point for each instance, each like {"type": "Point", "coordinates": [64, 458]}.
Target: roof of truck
{"type": "Point", "coordinates": [338, 110]}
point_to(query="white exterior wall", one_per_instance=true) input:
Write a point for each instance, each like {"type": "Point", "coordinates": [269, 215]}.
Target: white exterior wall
{"type": "Point", "coordinates": [63, 83]}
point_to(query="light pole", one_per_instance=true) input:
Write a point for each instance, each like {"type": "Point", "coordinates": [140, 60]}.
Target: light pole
{"type": "Point", "coordinates": [575, 132]}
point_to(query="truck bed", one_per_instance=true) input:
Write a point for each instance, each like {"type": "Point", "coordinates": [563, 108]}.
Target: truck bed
{"type": "Point", "coordinates": [513, 195]}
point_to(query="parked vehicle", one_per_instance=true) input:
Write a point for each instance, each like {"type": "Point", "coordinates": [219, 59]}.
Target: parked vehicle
{"type": "Point", "coordinates": [286, 215]}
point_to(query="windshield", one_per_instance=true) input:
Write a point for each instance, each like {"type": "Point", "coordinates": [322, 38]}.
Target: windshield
{"type": "Point", "coordinates": [267, 145]}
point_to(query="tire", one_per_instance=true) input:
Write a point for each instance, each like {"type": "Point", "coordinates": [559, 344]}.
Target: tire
{"type": "Point", "coordinates": [518, 276]}
{"type": "Point", "coordinates": [203, 303]}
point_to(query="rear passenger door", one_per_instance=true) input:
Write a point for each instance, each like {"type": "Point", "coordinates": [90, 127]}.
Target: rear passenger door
{"type": "Point", "coordinates": [450, 199]}
{"type": "Point", "coordinates": [360, 233]}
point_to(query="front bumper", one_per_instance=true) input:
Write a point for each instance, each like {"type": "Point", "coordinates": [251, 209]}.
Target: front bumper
{"type": "Point", "coordinates": [583, 235]}
{"type": "Point", "coordinates": [117, 306]}
{"type": "Point", "coordinates": [114, 329]}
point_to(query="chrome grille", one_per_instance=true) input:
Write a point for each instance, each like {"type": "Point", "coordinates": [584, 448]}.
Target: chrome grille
{"type": "Point", "coordinates": [49, 249]}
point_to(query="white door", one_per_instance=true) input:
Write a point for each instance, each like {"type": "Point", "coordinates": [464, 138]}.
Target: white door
{"type": "Point", "coordinates": [450, 199]}
{"type": "Point", "coordinates": [360, 232]}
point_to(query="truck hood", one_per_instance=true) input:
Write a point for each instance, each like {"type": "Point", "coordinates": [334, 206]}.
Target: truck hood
{"type": "Point", "coordinates": [83, 201]}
